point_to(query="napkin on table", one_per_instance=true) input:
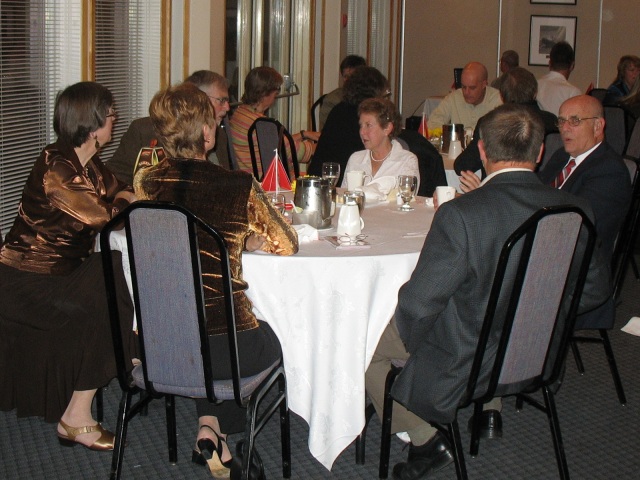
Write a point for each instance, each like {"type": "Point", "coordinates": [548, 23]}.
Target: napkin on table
{"type": "Point", "coordinates": [379, 188]}
{"type": "Point", "coordinates": [306, 233]}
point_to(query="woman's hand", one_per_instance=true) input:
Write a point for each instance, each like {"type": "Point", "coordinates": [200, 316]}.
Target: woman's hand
{"type": "Point", "coordinates": [468, 181]}
{"type": "Point", "coordinates": [254, 242]}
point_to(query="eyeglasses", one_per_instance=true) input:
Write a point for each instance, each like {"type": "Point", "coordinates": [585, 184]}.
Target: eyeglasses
{"type": "Point", "coordinates": [112, 113]}
{"type": "Point", "coordinates": [221, 100]}
{"type": "Point", "coordinates": [573, 121]}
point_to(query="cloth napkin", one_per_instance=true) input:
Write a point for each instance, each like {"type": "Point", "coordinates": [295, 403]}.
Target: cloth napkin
{"type": "Point", "coordinates": [306, 233]}
{"type": "Point", "coordinates": [378, 189]}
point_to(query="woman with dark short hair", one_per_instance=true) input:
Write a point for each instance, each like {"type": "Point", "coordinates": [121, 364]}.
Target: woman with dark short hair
{"type": "Point", "coordinates": [55, 338]}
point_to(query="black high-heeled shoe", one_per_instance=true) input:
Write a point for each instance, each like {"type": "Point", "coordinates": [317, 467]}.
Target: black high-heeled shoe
{"type": "Point", "coordinates": [210, 454]}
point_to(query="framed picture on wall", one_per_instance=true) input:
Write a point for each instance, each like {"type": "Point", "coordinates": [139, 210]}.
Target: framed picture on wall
{"type": "Point", "coordinates": [555, 2]}
{"type": "Point", "coordinates": [545, 32]}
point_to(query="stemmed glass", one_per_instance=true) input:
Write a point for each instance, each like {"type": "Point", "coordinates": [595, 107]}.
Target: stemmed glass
{"type": "Point", "coordinates": [407, 185]}
{"type": "Point", "coordinates": [331, 172]}
{"type": "Point", "coordinates": [278, 201]}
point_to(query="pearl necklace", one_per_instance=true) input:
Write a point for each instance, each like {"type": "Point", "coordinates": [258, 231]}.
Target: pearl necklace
{"type": "Point", "coordinates": [382, 159]}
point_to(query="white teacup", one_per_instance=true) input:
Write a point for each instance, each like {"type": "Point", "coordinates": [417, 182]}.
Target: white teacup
{"type": "Point", "coordinates": [445, 194]}
{"type": "Point", "coordinates": [355, 179]}
{"type": "Point", "coordinates": [349, 221]}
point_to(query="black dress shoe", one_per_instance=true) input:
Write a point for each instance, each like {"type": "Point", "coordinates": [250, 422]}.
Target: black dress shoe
{"type": "Point", "coordinates": [425, 459]}
{"type": "Point", "coordinates": [490, 424]}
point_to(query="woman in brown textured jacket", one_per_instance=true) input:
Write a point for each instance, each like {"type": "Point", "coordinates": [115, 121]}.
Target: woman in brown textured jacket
{"type": "Point", "coordinates": [55, 338]}
{"type": "Point", "coordinates": [235, 204]}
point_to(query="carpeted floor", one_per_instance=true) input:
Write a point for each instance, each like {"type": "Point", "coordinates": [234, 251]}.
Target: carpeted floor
{"type": "Point", "coordinates": [601, 437]}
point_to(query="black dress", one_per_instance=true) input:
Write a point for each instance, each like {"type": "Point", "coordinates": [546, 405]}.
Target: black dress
{"type": "Point", "coordinates": [339, 140]}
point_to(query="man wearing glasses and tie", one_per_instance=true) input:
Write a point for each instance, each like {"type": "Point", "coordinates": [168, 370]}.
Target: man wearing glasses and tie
{"type": "Point", "coordinates": [140, 133]}
{"type": "Point", "coordinates": [588, 167]}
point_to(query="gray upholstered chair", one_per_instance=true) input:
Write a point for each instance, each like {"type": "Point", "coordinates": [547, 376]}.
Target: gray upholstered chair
{"type": "Point", "coordinates": [544, 272]}
{"type": "Point", "coordinates": [270, 135]}
{"type": "Point", "coordinates": [552, 142]}
{"type": "Point", "coordinates": [162, 244]}
{"type": "Point", "coordinates": [616, 128]}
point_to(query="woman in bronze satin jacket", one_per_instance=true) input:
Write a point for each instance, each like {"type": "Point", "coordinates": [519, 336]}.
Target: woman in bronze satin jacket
{"type": "Point", "coordinates": [55, 337]}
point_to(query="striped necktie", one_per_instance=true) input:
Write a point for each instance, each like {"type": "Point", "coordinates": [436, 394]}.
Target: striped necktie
{"type": "Point", "coordinates": [562, 176]}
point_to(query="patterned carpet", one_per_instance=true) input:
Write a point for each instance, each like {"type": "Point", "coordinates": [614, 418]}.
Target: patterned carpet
{"type": "Point", "coordinates": [602, 438]}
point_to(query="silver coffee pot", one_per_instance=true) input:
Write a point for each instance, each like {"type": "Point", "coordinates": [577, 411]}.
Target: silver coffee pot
{"type": "Point", "coordinates": [313, 196]}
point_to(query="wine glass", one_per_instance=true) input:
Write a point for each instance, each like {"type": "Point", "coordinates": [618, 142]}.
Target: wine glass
{"type": "Point", "coordinates": [278, 201]}
{"type": "Point", "coordinates": [331, 172]}
{"type": "Point", "coordinates": [407, 185]}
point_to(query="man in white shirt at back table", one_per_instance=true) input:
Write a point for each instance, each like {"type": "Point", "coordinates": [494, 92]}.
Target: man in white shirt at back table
{"type": "Point", "coordinates": [470, 102]}
{"type": "Point", "coordinates": [554, 88]}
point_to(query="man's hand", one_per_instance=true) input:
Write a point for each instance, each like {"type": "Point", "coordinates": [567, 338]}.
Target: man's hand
{"type": "Point", "coordinates": [468, 181]}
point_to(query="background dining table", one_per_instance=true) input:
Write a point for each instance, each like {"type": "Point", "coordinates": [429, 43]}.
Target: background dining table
{"type": "Point", "coordinates": [329, 306]}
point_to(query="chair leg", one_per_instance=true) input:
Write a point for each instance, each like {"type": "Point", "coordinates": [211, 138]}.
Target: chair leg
{"type": "Point", "coordinates": [577, 357]}
{"type": "Point", "coordinates": [172, 441]}
{"type": "Point", "coordinates": [121, 436]}
{"type": "Point", "coordinates": [360, 439]}
{"type": "Point", "coordinates": [456, 445]}
{"type": "Point", "coordinates": [285, 429]}
{"type": "Point", "coordinates": [475, 429]}
{"type": "Point", "coordinates": [100, 405]}
{"type": "Point", "coordinates": [554, 425]}
{"type": "Point", "coordinates": [387, 416]}
{"type": "Point", "coordinates": [613, 366]}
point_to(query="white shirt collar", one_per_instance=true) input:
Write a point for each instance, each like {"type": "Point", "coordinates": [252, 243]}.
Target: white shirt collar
{"type": "Point", "coordinates": [504, 170]}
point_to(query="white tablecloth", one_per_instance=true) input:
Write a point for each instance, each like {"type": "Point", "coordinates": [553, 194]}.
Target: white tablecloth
{"type": "Point", "coordinates": [329, 308]}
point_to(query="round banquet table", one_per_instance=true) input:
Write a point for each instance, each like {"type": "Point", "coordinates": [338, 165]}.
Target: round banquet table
{"type": "Point", "coordinates": [329, 306]}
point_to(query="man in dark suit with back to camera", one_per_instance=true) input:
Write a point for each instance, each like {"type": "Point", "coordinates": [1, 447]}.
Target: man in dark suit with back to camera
{"type": "Point", "coordinates": [442, 306]}
{"type": "Point", "coordinates": [592, 170]}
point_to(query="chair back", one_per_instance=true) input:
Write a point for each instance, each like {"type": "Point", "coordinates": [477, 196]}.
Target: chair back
{"type": "Point", "coordinates": [164, 257]}
{"type": "Point", "coordinates": [233, 160]}
{"type": "Point", "coordinates": [533, 303]}
{"type": "Point", "coordinates": [616, 128]}
{"type": "Point", "coordinates": [315, 119]}
{"type": "Point", "coordinates": [599, 93]}
{"type": "Point", "coordinates": [626, 238]}
{"type": "Point", "coordinates": [270, 135]}
{"type": "Point", "coordinates": [430, 164]}
{"type": "Point", "coordinates": [633, 146]}
{"type": "Point", "coordinates": [552, 142]}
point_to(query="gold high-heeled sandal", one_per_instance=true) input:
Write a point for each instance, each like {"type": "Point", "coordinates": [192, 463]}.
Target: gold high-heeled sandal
{"type": "Point", "coordinates": [103, 444]}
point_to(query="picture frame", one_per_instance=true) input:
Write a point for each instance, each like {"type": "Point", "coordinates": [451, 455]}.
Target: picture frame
{"type": "Point", "coordinates": [554, 2]}
{"type": "Point", "coordinates": [545, 31]}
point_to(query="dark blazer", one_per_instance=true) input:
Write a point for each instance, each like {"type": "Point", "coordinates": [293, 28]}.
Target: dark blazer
{"type": "Point", "coordinates": [339, 140]}
{"type": "Point", "coordinates": [430, 163]}
{"type": "Point", "coordinates": [470, 159]}
{"type": "Point", "coordinates": [140, 134]}
{"type": "Point", "coordinates": [442, 306]}
{"type": "Point", "coordinates": [603, 179]}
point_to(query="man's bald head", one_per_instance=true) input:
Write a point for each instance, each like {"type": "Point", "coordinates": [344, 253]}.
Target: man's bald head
{"type": "Point", "coordinates": [474, 82]}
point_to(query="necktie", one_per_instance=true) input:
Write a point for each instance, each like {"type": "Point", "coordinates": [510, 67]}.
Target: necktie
{"type": "Point", "coordinates": [562, 176]}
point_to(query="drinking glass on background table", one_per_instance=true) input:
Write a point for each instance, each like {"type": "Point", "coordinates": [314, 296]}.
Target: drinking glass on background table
{"type": "Point", "coordinates": [331, 171]}
{"type": "Point", "coordinates": [407, 185]}
{"type": "Point", "coordinates": [278, 201]}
